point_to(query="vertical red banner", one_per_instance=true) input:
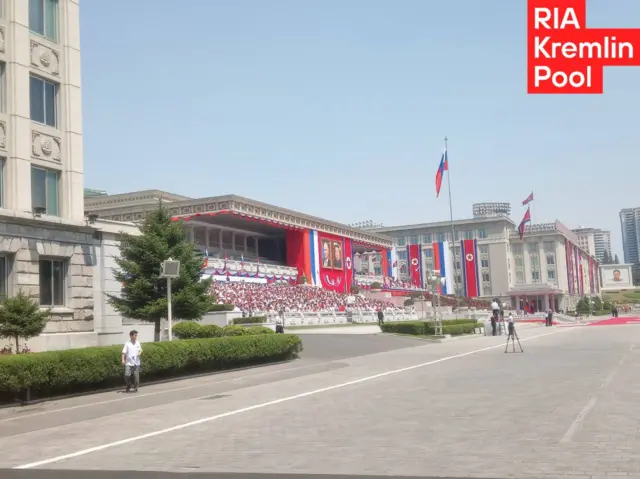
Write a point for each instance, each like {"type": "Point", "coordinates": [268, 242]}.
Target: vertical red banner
{"type": "Point", "coordinates": [415, 264]}
{"type": "Point", "coordinates": [348, 265]}
{"type": "Point", "coordinates": [470, 268]}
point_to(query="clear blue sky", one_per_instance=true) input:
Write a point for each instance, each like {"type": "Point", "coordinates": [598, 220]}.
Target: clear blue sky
{"type": "Point", "coordinates": [339, 108]}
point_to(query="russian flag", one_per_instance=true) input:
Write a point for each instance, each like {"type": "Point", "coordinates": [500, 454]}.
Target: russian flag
{"type": "Point", "coordinates": [444, 166]}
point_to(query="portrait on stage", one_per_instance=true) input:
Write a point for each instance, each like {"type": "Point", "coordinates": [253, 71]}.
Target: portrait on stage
{"type": "Point", "coordinates": [327, 254]}
{"type": "Point", "coordinates": [337, 255]}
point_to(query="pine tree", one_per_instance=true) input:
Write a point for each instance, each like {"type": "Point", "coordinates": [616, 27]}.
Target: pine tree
{"type": "Point", "coordinates": [144, 292]}
{"type": "Point", "coordinates": [21, 317]}
{"type": "Point", "coordinates": [616, 260]}
{"type": "Point", "coordinates": [606, 258]}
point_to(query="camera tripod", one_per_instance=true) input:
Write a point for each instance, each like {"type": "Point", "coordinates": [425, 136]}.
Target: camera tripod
{"type": "Point", "coordinates": [513, 336]}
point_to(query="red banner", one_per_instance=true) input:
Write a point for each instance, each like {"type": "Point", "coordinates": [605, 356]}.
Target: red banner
{"type": "Point", "coordinates": [470, 268]}
{"type": "Point", "coordinates": [414, 256]}
{"type": "Point", "coordinates": [348, 264]}
{"type": "Point", "coordinates": [332, 262]}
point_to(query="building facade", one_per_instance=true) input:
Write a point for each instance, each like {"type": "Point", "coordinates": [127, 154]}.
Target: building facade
{"type": "Point", "coordinates": [595, 241]}
{"type": "Point", "coordinates": [547, 269]}
{"type": "Point", "coordinates": [630, 226]}
{"type": "Point", "coordinates": [47, 246]}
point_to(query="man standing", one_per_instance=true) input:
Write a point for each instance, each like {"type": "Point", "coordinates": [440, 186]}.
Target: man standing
{"type": "Point", "coordinates": [380, 317]}
{"type": "Point", "coordinates": [131, 361]}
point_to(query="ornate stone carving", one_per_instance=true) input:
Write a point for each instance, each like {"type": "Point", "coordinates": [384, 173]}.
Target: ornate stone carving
{"type": "Point", "coordinates": [45, 146]}
{"type": "Point", "coordinates": [2, 39]}
{"type": "Point", "coordinates": [45, 59]}
{"type": "Point", "coordinates": [3, 135]}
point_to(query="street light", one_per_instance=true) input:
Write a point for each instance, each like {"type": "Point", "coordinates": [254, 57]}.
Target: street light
{"type": "Point", "coordinates": [435, 280]}
{"type": "Point", "coordinates": [170, 270]}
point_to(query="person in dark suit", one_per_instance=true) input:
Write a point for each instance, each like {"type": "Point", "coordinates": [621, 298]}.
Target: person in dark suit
{"type": "Point", "coordinates": [337, 256]}
{"type": "Point", "coordinates": [380, 317]}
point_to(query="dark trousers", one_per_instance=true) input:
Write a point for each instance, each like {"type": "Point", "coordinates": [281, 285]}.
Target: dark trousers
{"type": "Point", "coordinates": [279, 329]}
{"type": "Point", "coordinates": [493, 326]}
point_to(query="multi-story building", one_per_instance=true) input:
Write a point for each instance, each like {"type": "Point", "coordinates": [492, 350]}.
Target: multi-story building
{"type": "Point", "coordinates": [46, 243]}
{"type": "Point", "coordinates": [547, 269]}
{"type": "Point", "coordinates": [595, 241]}
{"type": "Point", "coordinates": [630, 225]}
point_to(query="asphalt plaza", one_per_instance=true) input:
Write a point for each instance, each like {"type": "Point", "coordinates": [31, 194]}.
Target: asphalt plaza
{"type": "Point", "coordinates": [564, 408]}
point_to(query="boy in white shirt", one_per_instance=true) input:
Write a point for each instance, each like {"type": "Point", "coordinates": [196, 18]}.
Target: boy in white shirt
{"type": "Point", "coordinates": [131, 361]}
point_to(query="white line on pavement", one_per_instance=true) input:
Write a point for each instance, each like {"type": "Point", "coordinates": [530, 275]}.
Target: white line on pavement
{"type": "Point", "coordinates": [235, 412]}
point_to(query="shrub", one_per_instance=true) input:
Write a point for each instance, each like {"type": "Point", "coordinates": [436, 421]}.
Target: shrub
{"type": "Point", "coordinates": [186, 330]}
{"type": "Point", "coordinates": [210, 331]}
{"type": "Point", "coordinates": [376, 285]}
{"type": "Point", "coordinates": [79, 370]}
{"type": "Point", "coordinates": [232, 330]}
{"type": "Point", "coordinates": [415, 328]}
{"type": "Point", "coordinates": [250, 320]}
{"type": "Point", "coordinates": [222, 307]}
{"type": "Point", "coordinates": [260, 330]}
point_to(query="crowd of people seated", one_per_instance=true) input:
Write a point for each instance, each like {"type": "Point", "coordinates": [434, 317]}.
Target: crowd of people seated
{"type": "Point", "coordinates": [253, 298]}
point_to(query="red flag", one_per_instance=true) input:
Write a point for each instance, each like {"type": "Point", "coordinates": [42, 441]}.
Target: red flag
{"type": "Point", "coordinates": [470, 268]}
{"type": "Point", "coordinates": [444, 166]}
{"type": "Point", "coordinates": [525, 219]}
{"type": "Point", "coordinates": [528, 200]}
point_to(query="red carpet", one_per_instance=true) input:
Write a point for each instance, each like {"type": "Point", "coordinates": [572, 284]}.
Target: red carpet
{"type": "Point", "coordinates": [616, 321]}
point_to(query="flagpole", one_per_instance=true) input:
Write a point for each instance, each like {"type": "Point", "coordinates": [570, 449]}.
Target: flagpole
{"type": "Point", "coordinates": [453, 230]}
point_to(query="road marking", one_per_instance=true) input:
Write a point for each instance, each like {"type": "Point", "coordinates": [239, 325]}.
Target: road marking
{"type": "Point", "coordinates": [236, 412]}
{"type": "Point", "coordinates": [156, 393]}
{"type": "Point", "coordinates": [577, 423]}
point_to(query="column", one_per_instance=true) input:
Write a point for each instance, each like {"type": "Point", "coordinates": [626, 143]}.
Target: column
{"type": "Point", "coordinates": [206, 238]}
{"type": "Point", "coordinates": [246, 248]}
{"type": "Point", "coordinates": [220, 240]}
{"type": "Point", "coordinates": [545, 302]}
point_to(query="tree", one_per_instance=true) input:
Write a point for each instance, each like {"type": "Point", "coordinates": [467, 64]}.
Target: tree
{"type": "Point", "coordinates": [144, 292]}
{"type": "Point", "coordinates": [606, 259]}
{"type": "Point", "coordinates": [21, 317]}
{"type": "Point", "coordinates": [616, 260]}
{"type": "Point", "coordinates": [583, 306]}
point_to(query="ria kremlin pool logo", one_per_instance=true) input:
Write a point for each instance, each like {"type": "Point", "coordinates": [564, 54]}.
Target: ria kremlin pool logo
{"type": "Point", "coordinates": [564, 56]}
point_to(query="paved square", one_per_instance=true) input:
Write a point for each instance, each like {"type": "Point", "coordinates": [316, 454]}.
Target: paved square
{"type": "Point", "coordinates": [564, 408]}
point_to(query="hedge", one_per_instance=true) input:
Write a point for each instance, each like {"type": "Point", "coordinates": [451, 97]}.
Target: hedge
{"type": "Point", "coordinates": [193, 330]}
{"type": "Point", "coordinates": [250, 320]}
{"type": "Point", "coordinates": [222, 307]}
{"type": "Point", "coordinates": [454, 327]}
{"type": "Point", "coordinates": [54, 373]}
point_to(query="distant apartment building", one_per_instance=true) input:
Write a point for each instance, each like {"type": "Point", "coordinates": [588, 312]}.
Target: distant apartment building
{"type": "Point", "coordinates": [595, 241]}
{"type": "Point", "coordinates": [630, 225]}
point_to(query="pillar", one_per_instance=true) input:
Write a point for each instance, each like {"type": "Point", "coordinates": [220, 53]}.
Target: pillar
{"type": "Point", "coordinates": [206, 238]}
{"type": "Point", "coordinates": [545, 303]}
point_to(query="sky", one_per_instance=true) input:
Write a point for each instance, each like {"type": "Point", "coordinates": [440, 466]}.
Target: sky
{"type": "Point", "coordinates": [339, 109]}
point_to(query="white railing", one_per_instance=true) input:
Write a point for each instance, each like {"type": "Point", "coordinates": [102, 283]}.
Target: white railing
{"type": "Point", "coordinates": [251, 268]}
{"type": "Point", "coordinates": [368, 279]}
{"type": "Point", "coordinates": [359, 317]}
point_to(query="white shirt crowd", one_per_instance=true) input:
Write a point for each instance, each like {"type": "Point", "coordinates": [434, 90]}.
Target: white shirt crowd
{"type": "Point", "coordinates": [273, 298]}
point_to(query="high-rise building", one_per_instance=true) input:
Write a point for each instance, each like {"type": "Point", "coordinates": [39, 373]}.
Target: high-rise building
{"type": "Point", "coordinates": [46, 243]}
{"type": "Point", "coordinates": [630, 224]}
{"type": "Point", "coordinates": [595, 241]}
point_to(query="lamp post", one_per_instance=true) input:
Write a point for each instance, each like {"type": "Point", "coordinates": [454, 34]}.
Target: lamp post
{"type": "Point", "coordinates": [435, 280]}
{"type": "Point", "coordinates": [170, 270]}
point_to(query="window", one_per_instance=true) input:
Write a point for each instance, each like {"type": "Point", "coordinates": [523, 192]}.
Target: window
{"type": "Point", "coordinates": [486, 278]}
{"type": "Point", "coordinates": [43, 18]}
{"type": "Point", "coordinates": [550, 246]}
{"type": "Point", "coordinates": [456, 235]}
{"type": "Point", "coordinates": [517, 248]}
{"type": "Point", "coordinates": [484, 249]}
{"type": "Point", "coordinates": [458, 265]}
{"type": "Point", "coordinates": [482, 234]}
{"type": "Point", "coordinates": [468, 235]}
{"type": "Point", "coordinates": [413, 240]}
{"type": "Point", "coordinates": [440, 237]}
{"type": "Point", "coordinates": [4, 278]}
{"type": "Point", "coordinates": [428, 253]}
{"type": "Point", "coordinates": [2, 163]}
{"type": "Point", "coordinates": [44, 191]}
{"type": "Point", "coordinates": [519, 277]}
{"type": "Point", "coordinates": [535, 276]}
{"type": "Point", "coordinates": [43, 98]}
{"type": "Point", "coordinates": [402, 255]}
{"type": "Point", "coordinates": [401, 241]}
{"type": "Point", "coordinates": [51, 282]}
{"type": "Point", "coordinates": [3, 88]}
{"type": "Point", "coordinates": [551, 274]}
{"type": "Point", "coordinates": [519, 262]}
{"type": "Point", "coordinates": [484, 263]}
{"type": "Point", "coordinates": [551, 258]}
{"type": "Point", "coordinates": [426, 238]}
{"type": "Point", "coordinates": [533, 247]}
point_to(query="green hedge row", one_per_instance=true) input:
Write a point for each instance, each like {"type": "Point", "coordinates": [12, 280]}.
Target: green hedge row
{"type": "Point", "coordinates": [57, 373]}
{"type": "Point", "coordinates": [250, 320]}
{"type": "Point", "coordinates": [454, 327]}
{"type": "Point", "coordinates": [193, 330]}
{"type": "Point", "coordinates": [222, 307]}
